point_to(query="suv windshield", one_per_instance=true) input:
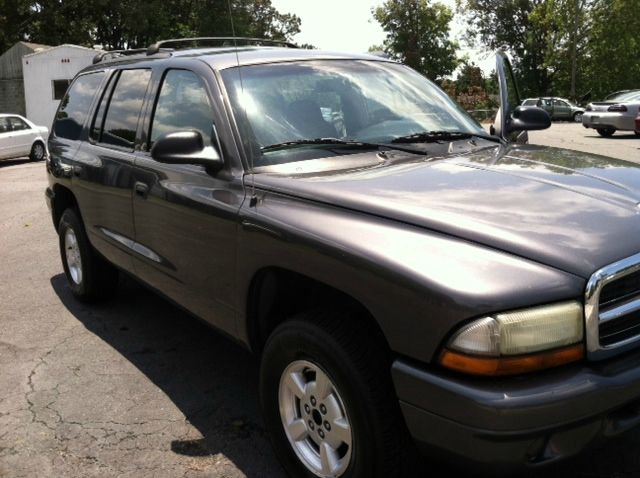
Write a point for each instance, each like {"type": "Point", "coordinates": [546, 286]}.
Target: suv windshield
{"type": "Point", "coordinates": [350, 100]}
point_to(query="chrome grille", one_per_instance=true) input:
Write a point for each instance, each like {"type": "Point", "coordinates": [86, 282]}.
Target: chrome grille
{"type": "Point", "coordinates": [612, 308]}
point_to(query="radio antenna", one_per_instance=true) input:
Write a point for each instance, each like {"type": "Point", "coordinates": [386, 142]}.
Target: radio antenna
{"type": "Point", "coordinates": [254, 200]}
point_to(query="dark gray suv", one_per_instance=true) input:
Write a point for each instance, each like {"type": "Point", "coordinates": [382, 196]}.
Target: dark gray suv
{"type": "Point", "coordinates": [404, 276]}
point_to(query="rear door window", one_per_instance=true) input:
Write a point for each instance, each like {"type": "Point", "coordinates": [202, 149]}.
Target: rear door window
{"type": "Point", "coordinates": [74, 107]}
{"type": "Point", "coordinates": [123, 112]}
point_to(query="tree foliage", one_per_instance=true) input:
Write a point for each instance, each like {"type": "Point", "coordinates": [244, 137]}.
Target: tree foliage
{"type": "Point", "coordinates": [117, 24]}
{"type": "Point", "coordinates": [418, 35]}
{"type": "Point", "coordinates": [613, 55]}
{"type": "Point", "coordinates": [498, 23]}
{"type": "Point", "coordinates": [562, 47]}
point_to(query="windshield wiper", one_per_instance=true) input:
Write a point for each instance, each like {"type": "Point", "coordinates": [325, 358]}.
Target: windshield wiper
{"type": "Point", "coordinates": [340, 142]}
{"type": "Point", "coordinates": [434, 136]}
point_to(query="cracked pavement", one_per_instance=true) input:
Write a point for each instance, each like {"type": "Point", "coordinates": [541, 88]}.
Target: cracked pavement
{"type": "Point", "coordinates": [134, 387]}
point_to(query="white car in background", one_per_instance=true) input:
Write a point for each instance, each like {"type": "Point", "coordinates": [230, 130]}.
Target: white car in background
{"type": "Point", "coordinates": [617, 112]}
{"type": "Point", "coordinates": [19, 137]}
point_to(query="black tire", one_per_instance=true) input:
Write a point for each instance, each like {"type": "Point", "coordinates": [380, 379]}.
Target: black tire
{"type": "Point", "coordinates": [606, 132]}
{"type": "Point", "coordinates": [357, 362]}
{"type": "Point", "coordinates": [637, 133]}
{"type": "Point", "coordinates": [577, 117]}
{"type": "Point", "coordinates": [97, 279]}
{"type": "Point", "coordinates": [38, 151]}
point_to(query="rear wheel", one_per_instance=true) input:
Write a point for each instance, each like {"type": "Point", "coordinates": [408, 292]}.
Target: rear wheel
{"type": "Point", "coordinates": [606, 132]}
{"type": "Point", "coordinates": [37, 151]}
{"type": "Point", "coordinates": [328, 400]}
{"type": "Point", "coordinates": [90, 277]}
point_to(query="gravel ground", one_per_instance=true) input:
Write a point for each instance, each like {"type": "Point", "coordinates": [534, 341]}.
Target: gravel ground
{"type": "Point", "coordinates": [135, 387]}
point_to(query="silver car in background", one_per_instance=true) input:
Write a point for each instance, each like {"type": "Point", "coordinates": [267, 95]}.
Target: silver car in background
{"type": "Point", "coordinates": [618, 112]}
{"type": "Point", "coordinates": [558, 108]}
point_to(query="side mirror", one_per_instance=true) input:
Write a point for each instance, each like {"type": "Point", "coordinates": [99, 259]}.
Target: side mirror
{"type": "Point", "coordinates": [526, 118]}
{"type": "Point", "coordinates": [511, 118]}
{"type": "Point", "coordinates": [186, 147]}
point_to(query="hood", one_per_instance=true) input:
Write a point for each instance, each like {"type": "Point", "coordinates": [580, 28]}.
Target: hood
{"type": "Point", "coordinates": [570, 210]}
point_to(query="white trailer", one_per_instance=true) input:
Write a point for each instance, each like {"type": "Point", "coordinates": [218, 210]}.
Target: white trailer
{"type": "Point", "coordinates": [47, 74]}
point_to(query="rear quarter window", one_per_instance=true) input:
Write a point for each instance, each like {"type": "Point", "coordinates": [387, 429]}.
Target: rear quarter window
{"type": "Point", "coordinates": [74, 107]}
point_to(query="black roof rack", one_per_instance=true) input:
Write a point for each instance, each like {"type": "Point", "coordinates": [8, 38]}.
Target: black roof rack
{"type": "Point", "coordinates": [116, 53]}
{"type": "Point", "coordinates": [225, 41]}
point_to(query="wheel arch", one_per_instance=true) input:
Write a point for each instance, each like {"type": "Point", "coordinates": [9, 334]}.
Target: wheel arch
{"type": "Point", "coordinates": [63, 199]}
{"type": "Point", "coordinates": [276, 294]}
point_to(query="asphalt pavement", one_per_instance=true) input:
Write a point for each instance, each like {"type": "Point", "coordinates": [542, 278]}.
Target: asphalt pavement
{"type": "Point", "coordinates": [622, 145]}
{"type": "Point", "coordinates": [134, 387]}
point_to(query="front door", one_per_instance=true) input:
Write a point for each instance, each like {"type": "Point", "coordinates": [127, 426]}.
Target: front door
{"type": "Point", "coordinates": [185, 217]}
{"type": "Point", "coordinates": [562, 110]}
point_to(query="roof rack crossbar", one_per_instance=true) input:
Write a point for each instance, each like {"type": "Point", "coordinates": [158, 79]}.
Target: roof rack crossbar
{"type": "Point", "coordinates": [155, 47]}
{"type": "Point", "coordinates": [116, 53]}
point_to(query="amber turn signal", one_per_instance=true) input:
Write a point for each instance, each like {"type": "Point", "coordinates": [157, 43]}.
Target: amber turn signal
{"type": "Point", "coordinates": [493, 366]}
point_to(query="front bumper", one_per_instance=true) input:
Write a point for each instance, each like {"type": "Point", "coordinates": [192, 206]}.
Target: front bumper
{"type": "Point", "coordinates": [507, 424]}
{"type": "Point", "coordinates": [605, 119]}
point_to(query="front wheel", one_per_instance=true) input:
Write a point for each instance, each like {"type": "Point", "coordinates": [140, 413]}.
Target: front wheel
{"type": "Point", "coordinates": [606, 132]}
{"type": "Point", "coordinates": [577, 117]}
{"type": "Point", "coordinates": [328, 400]}
{"type": "Point", "coordinates": [90, 276]}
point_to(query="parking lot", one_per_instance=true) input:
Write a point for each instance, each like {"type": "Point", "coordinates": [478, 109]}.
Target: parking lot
{"type": "Point", "coordinates": [134, 387]}
{"type": "Point", "coordinates": [622, 145]}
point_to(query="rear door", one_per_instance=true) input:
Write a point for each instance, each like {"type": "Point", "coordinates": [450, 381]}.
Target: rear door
{"type": "Point", "coordinates": [103, 166]}
{"type": "Point", "coordinates": [186, 218]}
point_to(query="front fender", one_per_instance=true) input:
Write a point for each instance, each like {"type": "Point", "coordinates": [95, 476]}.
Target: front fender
{"type": "Point", "coordinates": [417, 284]}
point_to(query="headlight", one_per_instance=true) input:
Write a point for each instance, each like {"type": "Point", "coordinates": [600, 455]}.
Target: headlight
{"type": "Point", "coordinates": [518, 341]}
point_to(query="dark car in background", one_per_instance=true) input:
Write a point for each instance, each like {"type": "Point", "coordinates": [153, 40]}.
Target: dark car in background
{"type": "Point", "coordinates": [403, 276]}
{"type": "Point", "coordinates": [558, 108]}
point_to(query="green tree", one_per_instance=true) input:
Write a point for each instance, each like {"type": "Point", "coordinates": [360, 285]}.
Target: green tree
{"type": "Point", "coordinates": [498, 23]}
{"type": "Point", "coordinates": [567, 25]}
{"type": "Point", "coordinates": [14, 18]}
{"type": "Point", "coordinates": [470, 75]}
{"type": "Point", "coordinates": [418, 35]}
{"type": "Point", "coordinates": [118, 24]}
{"type": "Point", "coordinates": [613, 61]}
{"type": "Point", "coordinates": [46, 18]}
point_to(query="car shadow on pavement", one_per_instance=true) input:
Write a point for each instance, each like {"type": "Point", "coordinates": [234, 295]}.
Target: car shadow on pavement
{"type": "Point", "coordinates": [616, 136]}
{"type": "Point", "coordinates": [14, 162]}
{"type": "Point", "coordinates": [214, 383]}
{"type": "Point", "coordinates": [209, 378]}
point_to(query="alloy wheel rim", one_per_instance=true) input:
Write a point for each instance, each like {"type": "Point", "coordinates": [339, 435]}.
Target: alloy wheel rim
{"type": "Point", "coordinates": [38, 151]}
{"type": "Point", "coordinates": [72, 252]}
{"type": "Point", "coordinates": [315, 420]}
